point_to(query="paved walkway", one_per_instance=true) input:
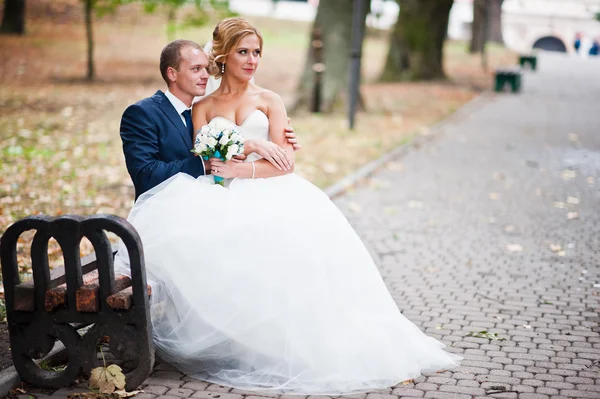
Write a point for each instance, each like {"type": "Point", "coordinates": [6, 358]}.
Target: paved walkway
{"type": "Point", "coordinates": [493, 225]}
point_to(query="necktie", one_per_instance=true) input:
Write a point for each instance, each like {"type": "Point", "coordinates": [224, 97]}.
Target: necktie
{"type": "Point", "coordinates": [187, 115]}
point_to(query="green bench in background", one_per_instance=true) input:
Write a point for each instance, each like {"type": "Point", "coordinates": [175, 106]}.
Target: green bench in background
{"type": "Point", "coordinates": [530, 60]}
{"type": "Point", "coordinates": [511, 76]}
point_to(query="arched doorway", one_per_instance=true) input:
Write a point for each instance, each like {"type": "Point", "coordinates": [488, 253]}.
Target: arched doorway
{"type": "Point", "coordinates": [550, 43]}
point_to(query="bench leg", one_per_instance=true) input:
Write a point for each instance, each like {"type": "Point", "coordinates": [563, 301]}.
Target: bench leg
{"type": "Point", "coordinates": [500, 82]}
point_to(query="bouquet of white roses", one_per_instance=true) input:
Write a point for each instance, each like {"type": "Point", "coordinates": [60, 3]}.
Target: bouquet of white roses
{"type": "Point", "coordinates": [215, 141]}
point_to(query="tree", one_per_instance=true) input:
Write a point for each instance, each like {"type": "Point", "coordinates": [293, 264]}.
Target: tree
{"type": "Point", "coordinates": [99, 6]}
{"type": "Point", "coordinates": [478, 27]}
{"type": "Point", "coordinates": [333, 25]}
{"type": "Point", "coordinates": [417, 41]}
{"type": "Point", "coordinates": [13, 18]}
{"type": "Point", "coordinates": [205, 9]}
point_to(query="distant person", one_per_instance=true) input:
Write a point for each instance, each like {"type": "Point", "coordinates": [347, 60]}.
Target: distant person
{"type": "Point", "coordinates": [577, 43]}
{"type": "Point", "coordinates": [595, 47]}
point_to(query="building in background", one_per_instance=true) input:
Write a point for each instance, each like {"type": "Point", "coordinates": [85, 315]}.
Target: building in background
{"type": "Point", "coordinates": [550, 24]}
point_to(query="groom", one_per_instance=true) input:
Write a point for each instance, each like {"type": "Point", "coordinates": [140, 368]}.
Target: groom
{"type": "Point", "coordinates": [157, 131]}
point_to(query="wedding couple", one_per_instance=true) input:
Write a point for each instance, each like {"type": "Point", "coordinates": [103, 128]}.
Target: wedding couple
{"type": "Point", "coordinates": [261, 284]}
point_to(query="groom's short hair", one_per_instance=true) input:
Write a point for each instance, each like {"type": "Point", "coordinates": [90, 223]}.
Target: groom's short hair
{"type": "Point", "coordinates": [171, 55]}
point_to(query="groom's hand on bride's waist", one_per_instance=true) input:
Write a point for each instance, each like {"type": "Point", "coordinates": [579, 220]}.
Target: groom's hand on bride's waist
{"type": "Point", "coordinates": [290, 135]}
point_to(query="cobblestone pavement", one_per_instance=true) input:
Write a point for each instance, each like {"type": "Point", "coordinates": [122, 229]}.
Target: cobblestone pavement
{"type": "Point", "coordinates": [492, 225]}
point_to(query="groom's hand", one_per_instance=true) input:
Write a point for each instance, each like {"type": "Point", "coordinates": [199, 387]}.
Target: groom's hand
{"type": "Point", "coordinates": [291, 136]}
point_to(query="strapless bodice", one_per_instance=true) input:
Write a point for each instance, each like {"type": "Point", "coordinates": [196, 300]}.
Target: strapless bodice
{"type": "Point", "coordinates": [255, 126]}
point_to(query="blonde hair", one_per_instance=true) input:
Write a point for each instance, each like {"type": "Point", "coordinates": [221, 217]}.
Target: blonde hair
{"type": "Point", "coordinates": [226, 36]}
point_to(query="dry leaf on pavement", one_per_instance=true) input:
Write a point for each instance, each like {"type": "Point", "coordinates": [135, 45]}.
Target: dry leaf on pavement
{"type": "Point", "coordinates": [354, 207]}
{"type": "Point", "coordinates": [107, 379]}
{"type": "Point", "coordinates": [514, 248]}
{"type": "Point", "coordinates": [568, 174]}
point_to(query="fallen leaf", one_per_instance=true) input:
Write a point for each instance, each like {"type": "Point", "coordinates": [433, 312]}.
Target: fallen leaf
{"type": "Point", "coordinates": [555, 247]}
{"type": "Point", "coordinates": [560, 205]}
{"type": "Point", "coordinates": [407, 382]}
{"type": "Point", "coordinates": [514, 248]}
{"type": "Point", "coordinates": [124, 394]}
{"type": "Point", "coordinates": [485, 334]}
{"type": "Point", "coordinates": [573, 200]}
{"type": "Point", "coordinates": [354, 207]}
{"type": "Point", "coordinates": [568, 174]}
{"type": "Point", "coordinates": [572, 215]}
{"type": "Point", "coordinates": [107, 379]}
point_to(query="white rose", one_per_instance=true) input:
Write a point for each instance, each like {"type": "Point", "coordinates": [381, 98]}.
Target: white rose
{"type": "Point", "coordinates": [205, 130]}
{"type": "Point", "coordinates": [219, 124]}
{"type": "Point", "coordinates": [233, 150]}
{"type": "Point", "coordinates": [224, 139]}
{"type": "Point", "coordinates": [236, 138]}
{"type": "Point", "coordinates": [211, 142]}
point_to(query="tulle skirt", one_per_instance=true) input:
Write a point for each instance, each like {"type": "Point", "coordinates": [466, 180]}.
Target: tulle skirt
{"type": "Point", "coordinates": [264, 285]}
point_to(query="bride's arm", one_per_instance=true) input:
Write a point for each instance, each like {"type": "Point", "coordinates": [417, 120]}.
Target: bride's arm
{"type": "Point", "coordinates": [277, 123]}
{"type": "Point", "coordinates": [262, 168]}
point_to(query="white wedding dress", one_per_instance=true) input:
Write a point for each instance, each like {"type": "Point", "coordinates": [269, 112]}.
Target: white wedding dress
{"type": "Point", "coordinates": [264, 285]}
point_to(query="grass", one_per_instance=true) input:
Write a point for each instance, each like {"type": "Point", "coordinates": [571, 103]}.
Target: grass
{"type": "Point", "coordinates": [60, 150]}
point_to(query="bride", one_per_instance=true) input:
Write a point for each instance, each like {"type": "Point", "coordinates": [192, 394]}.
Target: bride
{"type": "Point", "coordinates": [263, 284]}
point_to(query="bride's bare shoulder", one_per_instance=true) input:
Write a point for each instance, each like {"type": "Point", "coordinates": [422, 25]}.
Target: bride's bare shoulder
{"type": "Point", "coordinates": [269, 96]}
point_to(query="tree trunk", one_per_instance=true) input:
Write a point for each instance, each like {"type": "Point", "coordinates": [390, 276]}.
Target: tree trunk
{"type": "Point", "coordinates": [495, 31]}
{"type": "Point", "coordinates": [334, 22]}
{"type": "Point", "coordinates": [478, 27]}
{"type": "Point", "coordinates": [13, 19]}
{"type": "Point", "coordinates": [417, 41]}
{"type": "Point", "coordinates": [89, 8]}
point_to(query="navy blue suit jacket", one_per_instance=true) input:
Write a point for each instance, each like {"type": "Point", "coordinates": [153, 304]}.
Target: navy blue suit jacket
{"type": "Point", "coordinates": [156, 143]}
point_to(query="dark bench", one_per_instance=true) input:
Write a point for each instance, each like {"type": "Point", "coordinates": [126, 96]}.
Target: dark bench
{"type": "Point", "coordinates": [530, 60]}
{"type": "Point", "coordinates": [510, 76]}
{"type": "Point", "coordinates": [82, 304]}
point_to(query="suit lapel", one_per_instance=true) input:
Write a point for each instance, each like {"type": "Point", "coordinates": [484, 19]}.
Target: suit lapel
{"type": "Point", "coordinates": [168, 109]}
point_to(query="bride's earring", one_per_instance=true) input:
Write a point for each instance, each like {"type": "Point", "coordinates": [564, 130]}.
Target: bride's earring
{"type": "Point", "coordinates": [222, 68]}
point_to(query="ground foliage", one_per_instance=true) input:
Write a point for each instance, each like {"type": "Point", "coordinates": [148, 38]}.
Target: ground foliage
{"type": "Point", "coordinates": [60, 151]}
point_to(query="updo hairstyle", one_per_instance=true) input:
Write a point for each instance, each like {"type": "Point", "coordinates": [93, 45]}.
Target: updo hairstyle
{"type": "Point", "coordinates": [226, 36]}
